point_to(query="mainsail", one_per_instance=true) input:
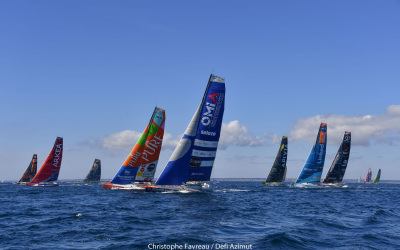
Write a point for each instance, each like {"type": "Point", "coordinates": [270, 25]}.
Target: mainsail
{"type": "Point", "coordinates": [193, 158]}
{"type": "Point", "coordinates": [312, 169]}
{"type": "Point", "coordinates": [30, 172]}
{"type": "Point", "coordinates": [368, 178]}
{"type": "Point", "coordinates": [145, 146]}
{"type": "Point", "coordinates": [152, 149]}
{"type": "Point", "coordinates": [377, 177]}
{"type": "Point", "coordinates": [94, 173]}
{"type": "Point", "coordinates": [51, 166]}
{"type": "Point", "coordinates": [278, 170]}
{"type": "Point", "coordinates": [339, 164]}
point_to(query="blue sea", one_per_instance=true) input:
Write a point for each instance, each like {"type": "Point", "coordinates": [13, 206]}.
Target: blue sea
{"type": "Point", "coordinates": [237, 215]}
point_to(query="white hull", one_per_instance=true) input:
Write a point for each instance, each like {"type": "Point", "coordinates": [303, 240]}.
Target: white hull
{"type": "Point", "coordinates": [306, 185]}
{"type": "Point", "coordinates": [193, 187]}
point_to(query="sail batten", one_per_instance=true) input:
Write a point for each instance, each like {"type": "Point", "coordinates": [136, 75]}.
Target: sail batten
{"type": "Point", "coordinates": [338, 168]}
{"type": "Point", "coordinates": [193, 158]}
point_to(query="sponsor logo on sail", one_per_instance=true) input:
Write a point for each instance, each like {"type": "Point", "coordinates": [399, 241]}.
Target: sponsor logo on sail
{"type": "Point", "coordinates": [195, 162]}
{"type": "Point", "coordinates": [321, 154]}
{"type": "Point", "coordinates": [284, 155]}
{"type": "Point", "coordinates": [322, 137]}
{"type": "Point", "coordinates": [57, 153]}
{"type": "Point", "coordinates": [206, 119]}
{"type": "Point", "coordinates": [204, 132]}
{"type": "Point", "coordinates": [212, 109]}
{"type": "Point", "coordinates": [151, 147]}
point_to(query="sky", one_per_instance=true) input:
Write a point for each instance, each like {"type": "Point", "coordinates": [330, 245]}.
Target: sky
{"type": "Point", "coordinates": [93, 71]}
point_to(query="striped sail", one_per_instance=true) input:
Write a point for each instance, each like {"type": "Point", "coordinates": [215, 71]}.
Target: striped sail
{"type": "Point", "coordinates": [50, 169]}
{"type": "Point", "coordinates": [338, 168]}
{"type": "Point", "coordinates": [30, 172]}
{"type": "Point", "coordinates": [312, 169]}
{"type": "Point", "coordinates": [193, 158]}
{"type": "Point", "coordinates": [278, 169]}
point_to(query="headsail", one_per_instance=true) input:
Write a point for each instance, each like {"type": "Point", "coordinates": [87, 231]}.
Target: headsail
{"type": "Point", "coordinates": [51, 166]}
{"type": "Point", "coordinates": [152, 149]}
{"type": "Point", "coordinates": [377, 177]}
{"type": "Point", "coordinates": [193, 158]}
{"type": "Point", "coordinates": [339, 164]}
{"type": "Point", "coordinates": [30, 172]}
{"type": "Point", "coordinates": [368, 178]}
{"type": "Point", "coordinates": [312, 169]}
{"type": "Point", "coordinates": [94, 173]}
{"type": "Point", "coordinates": [127, 173]}
{"type": "Point", "coordinates": [278, 170]}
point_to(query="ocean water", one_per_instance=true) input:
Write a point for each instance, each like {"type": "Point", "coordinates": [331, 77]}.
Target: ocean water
{"type": "Point", "coordinates": [237, 215]}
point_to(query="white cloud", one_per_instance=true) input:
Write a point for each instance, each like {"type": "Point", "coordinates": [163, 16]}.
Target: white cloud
{"type": "Point", "coordinates": [126, 140]}
{"type": "Point", "coordinates": [235, 134]}
{"type": "Point", "coordinates": [382, 128]}
{"type": "Point", "coordinates": [232, 133]}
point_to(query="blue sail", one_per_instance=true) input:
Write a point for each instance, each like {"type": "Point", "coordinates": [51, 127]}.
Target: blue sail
{"type": "Point", "coordinates": [194, 156]}
{"type": "Point", "coordinates": [208, 132]}
{"type": "Point", "coordinates": [312, 169]}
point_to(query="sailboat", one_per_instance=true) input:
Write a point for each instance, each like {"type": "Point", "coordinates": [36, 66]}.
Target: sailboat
{"type": "Point", "coordinates": [48, 173]}
{"type": "Point", "coordinates": [138, 170]}
{"type": "Point", "coordinates": [368, 178]}
{"type": "Point", "coordinates": [94, 173]}
{"type": "Point", "coordinates": [377, 177]}
{"type": "Point", "coordinates": [277, 173]}
{"type": "Point", "coordinates": [310, 176]}
{"type": "Point", "coordinates": [190, 165]}
{"type": "Point", "coordinates": [30, 172]}
{"type": "Point", "coordinates": [338, 168]}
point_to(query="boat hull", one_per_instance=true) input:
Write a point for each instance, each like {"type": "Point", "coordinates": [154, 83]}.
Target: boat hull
{"type": "Point", "coordinates": [196, 187]}
{"type": "Point", "coordinates": [43, 184]}
{"type": "Point", "coordinates": [131, 187]}
{"type": "Point", "coordinates": [273, 184]}
{"type": "Point", "coordinates": [306, 185]}
{"type": "Point", "coordinates": [334, 185]}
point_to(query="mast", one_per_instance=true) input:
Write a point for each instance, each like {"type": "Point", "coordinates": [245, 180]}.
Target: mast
{"type": "Point", "coordinates": [312, 169]}
{"type": "Point", "coordinates": [338, 168]}
{"type": "Point", "coordinates": [278, 169]}
{"type": "Point", "coordinates": [193, 158]}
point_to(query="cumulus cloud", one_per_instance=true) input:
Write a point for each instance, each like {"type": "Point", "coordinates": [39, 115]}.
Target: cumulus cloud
{"type": "Point", "coordinates": [232, 134]}
{"type": "Point", "coordinates": [382, 128]}
{"type": "Point", "coordinates": [235, 134]}
{"type": "Point", "coordinates": [125, 141]}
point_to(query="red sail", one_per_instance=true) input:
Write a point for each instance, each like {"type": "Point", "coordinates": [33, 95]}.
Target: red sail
{"type": "Point", "coordinates": [51, 166]}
